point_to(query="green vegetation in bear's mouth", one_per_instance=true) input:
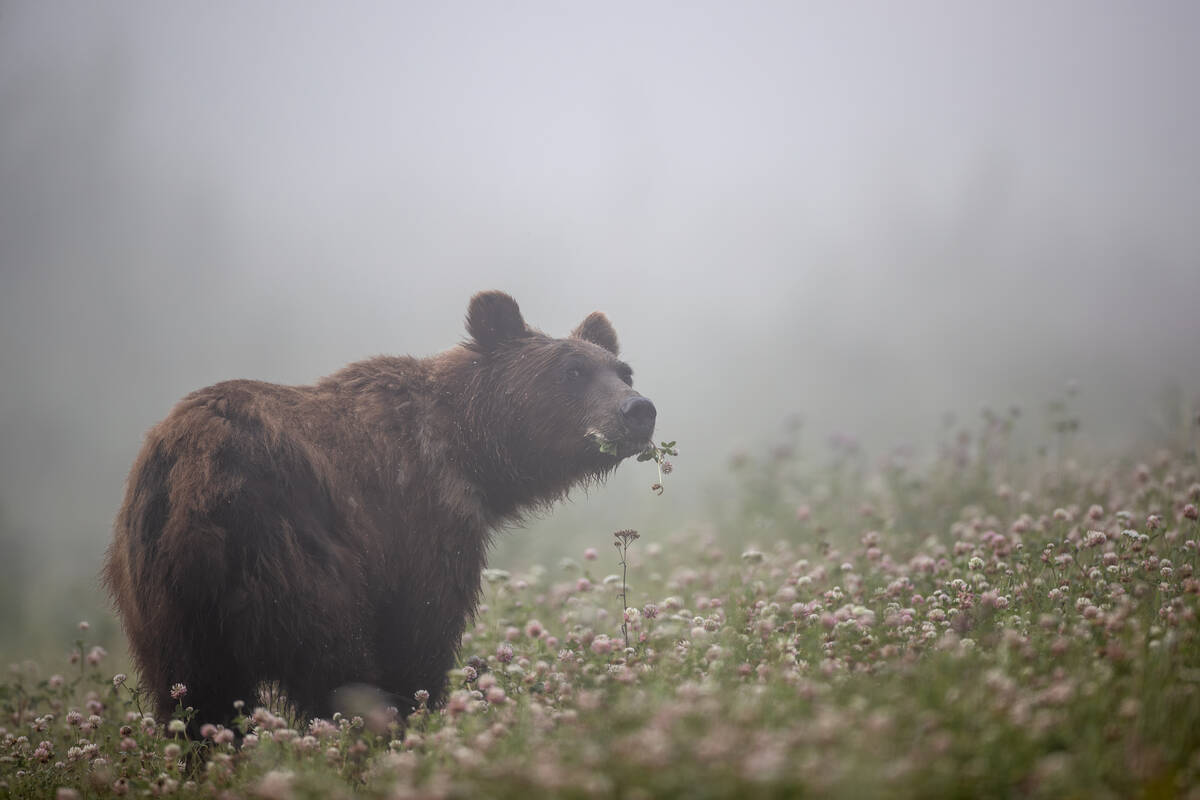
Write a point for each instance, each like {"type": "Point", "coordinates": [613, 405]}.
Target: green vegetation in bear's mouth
{"type": "Point", "coordinates": [658, 454]}
{"type": "Point", "coordinates": [652, 452]}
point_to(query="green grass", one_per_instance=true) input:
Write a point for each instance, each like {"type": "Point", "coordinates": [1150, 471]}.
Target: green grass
{"type": "Point", "coordinates": [984, 625]}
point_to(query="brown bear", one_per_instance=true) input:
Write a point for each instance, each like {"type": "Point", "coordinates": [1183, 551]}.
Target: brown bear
{"type": "Point", "coordinates": [325, 535]}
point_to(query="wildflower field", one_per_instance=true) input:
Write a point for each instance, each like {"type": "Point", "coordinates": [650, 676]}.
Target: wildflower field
{"type": "Point", "coordinates": [988, 621]}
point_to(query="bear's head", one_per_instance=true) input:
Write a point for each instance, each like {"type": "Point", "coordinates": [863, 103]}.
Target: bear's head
{"type": "Point", "coordinates": [557, 411]}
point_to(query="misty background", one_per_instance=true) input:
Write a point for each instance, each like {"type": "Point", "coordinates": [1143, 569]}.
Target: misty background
{"type": "Point", "coordinates": [869, 214]}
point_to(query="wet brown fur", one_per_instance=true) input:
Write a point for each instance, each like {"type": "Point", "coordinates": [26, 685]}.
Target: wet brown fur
{"type": "Point", "coordinates": [332, 534]}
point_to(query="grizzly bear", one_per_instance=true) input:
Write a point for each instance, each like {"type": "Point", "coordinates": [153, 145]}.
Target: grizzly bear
{"type": "Point", "coordinates": [334, 534]}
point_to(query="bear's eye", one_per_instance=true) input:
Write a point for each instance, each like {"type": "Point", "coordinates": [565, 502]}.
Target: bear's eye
{"type": "Point", "coordinates": [575, 372]}
{"type": "Point", "coordinates": [625, 373]}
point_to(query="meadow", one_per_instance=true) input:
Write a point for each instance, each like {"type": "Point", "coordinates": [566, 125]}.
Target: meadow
{"type": "Point", "coordinates": [988, 620]}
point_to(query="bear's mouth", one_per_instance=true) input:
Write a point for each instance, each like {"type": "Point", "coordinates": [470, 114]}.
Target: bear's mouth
{"type": "Point", "coordinates": [619, 448]}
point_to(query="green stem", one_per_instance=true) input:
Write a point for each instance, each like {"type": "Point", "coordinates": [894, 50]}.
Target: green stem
{"type": "Point", "coordinates": [625, 589]}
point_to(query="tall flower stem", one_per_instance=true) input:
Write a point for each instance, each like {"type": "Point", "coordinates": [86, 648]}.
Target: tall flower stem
{"type": "Point", "coordinates": [623, 539]}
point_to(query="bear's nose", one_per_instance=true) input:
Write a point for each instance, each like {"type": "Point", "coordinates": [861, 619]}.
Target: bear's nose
{"type": "Point", "coordinates": [639, 414]}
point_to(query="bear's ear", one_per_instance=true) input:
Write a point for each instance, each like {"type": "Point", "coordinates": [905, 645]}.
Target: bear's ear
{"type": "Point", "coordinates": [493, 318]}
{"type": "Point", "coordinates": [597, 330]}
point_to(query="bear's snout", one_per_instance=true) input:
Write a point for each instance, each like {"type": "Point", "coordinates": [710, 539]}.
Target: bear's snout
{"type": "Point", "coordinates": [639, 415]}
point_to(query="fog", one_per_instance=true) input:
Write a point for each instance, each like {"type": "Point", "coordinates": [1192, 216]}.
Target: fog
{"type": "Point", "coordinates": [868, 214]}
